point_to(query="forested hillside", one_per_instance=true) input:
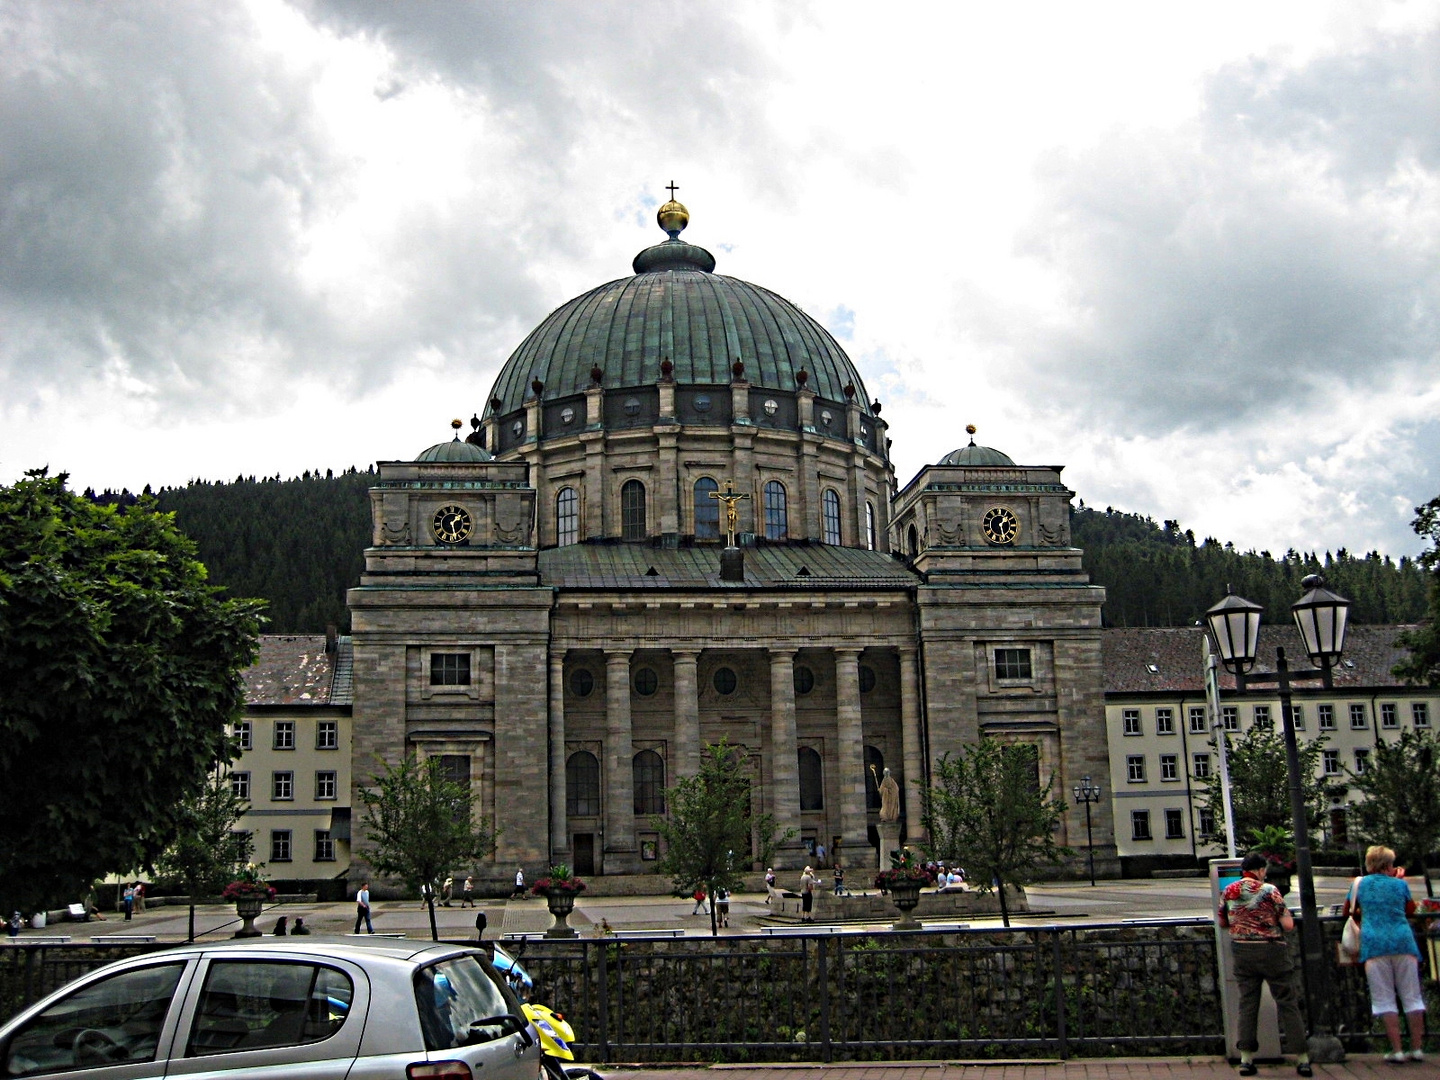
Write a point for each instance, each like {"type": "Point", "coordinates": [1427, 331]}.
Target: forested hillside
{"type": "Point", "coordinates": [298, 544]}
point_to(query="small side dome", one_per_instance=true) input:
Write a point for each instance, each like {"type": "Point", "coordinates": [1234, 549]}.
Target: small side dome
{"type": "Point", "coordinates": [455, 450]}
{"type": "Point", "coordinates": [976, 456]}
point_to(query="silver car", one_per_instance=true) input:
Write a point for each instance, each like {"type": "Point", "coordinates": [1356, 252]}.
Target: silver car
{"type": "Point", "coordinates": [315, 1007]}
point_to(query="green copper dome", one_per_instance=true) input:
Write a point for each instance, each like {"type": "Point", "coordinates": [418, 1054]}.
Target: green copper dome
{"type": "Point", "coordinates": [674, 308]}
{"type": "Point", "coordinates": [455, 450]}
{"type": "Point", "coordinates": [976, 456]}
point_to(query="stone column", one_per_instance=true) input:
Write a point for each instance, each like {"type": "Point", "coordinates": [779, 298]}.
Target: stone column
{"type": "Point", "coordinates": [619, 795]}
{"type": "Point", "coordinates": [850, 755]}
{"type": "Point", "coordinates": [687, 715]}
{"type": "Point", "coordinates": [559, 833]}
{"type": "Point", "coordinates": [784, 766]}
{"type": "Point", "coordinates": [911, 747]}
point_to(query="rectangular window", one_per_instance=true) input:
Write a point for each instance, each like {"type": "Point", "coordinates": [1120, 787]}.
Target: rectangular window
{"type": "Point", "coordinates": [284, 735]}
{"type": "Point", "coordinates": [279, 845]}
{"type": "Point", "coordinates": [1135, 768]}
{"type": "Point", "coordinates": [1201, 763]}
{"type": "Point", "coordinates": [1420, 714]}
{"type": "Point", "coordinates": [1207, 821]}
{"type": "Point", "coordinates": [325, 784]}
{"type": "Point", "coordinates": [1174, 825]}
{"type": "Point", "coordinates": [1131, 719]}
{"type": "Point", "coordinates": [1297, 714]}
{"type": "Point", "coordinates": [1140, 825]}
{"type": "Point", "coordinates": [1261, 716]}
{"type": "Point", "coordinates": [1012, 664]}
{"type": "Point", "coordinates": [1359, 720]}
{"type": "Point", "coordinates": [240, 785]}
{"type": "Point", "coordinates": [450, 669]}
{"type": "Point", "coordinates": [1164, 721]}
{"type": "Point", "coordinates": [1327, 717]}
{"type": "Point", "coordinates": [1389, 716]}
{"type": "Point", "coordinates": [455, 768]}
{"type": "Point", "coordinates": [282, 786]}
{"type": "Point", "coordinates": [327, 735]}
{"type": "Point", "coordinates": [324, 846]}
{"type": "Point", "coordinates": [1362, 761]}
{"type": "Point", "coordinates": [1331, 759]}
{"type": "Point", "coordinates": [1230, 717]}
{"type": "Point", "coordinates": [242, 730]}
{"type": "Point", "coordinates": [1197, 719]}
{"type": "Point", "coordinates": [1169, 767]}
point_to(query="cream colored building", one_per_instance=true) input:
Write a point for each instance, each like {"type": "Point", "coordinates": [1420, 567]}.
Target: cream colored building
{"type": "Point", "coordinates": [1158, 729]}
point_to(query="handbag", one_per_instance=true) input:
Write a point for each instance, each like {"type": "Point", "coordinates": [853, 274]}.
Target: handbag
{"type": "Point", "coordinates": [1348, 954]}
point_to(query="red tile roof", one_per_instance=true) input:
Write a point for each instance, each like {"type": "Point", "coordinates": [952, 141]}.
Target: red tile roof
{"type": "Point", "coordinates": [1175, 655]}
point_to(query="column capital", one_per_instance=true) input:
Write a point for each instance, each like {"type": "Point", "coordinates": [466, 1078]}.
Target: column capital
{"type": "Point", "coordinates": [691, 655]}
{"type": "Point", "coordinates": [778, 655]}
{"type": "Point", "coordinates": [847, 652]}
{"type": "Point", "coordinates": [618, 656]}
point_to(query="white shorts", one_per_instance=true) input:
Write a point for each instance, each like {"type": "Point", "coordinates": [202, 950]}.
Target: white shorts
{"type": "Point", "coordinates": [1396, 975]}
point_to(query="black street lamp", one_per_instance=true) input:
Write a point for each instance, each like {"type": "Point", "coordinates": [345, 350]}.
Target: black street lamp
{"type": "Point", "coordinates": [1088, 793]}
{"type": "Point", "coordinates": [1320, 617]}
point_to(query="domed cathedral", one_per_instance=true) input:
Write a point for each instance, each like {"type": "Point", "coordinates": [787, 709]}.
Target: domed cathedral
{"type": "Point", "coordinates": [675, 521]}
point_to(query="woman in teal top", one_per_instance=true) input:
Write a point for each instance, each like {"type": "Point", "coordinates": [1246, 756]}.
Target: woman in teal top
{"type": "Point", "coordinates": [1389, 952]}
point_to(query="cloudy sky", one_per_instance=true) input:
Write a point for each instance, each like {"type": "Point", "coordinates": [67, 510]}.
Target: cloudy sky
{"type": "Point", "coordinates": [1190, 251]}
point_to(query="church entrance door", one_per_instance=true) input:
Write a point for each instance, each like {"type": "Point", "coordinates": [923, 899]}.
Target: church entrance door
{"type": "Point", "coordinates": [583, 849]}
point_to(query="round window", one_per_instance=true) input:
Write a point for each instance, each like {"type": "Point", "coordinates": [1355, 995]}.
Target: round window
{"type": "Point", "coordinates": [804, 679]}
{"type": "Point", "coordinates": [867, 679]}
{"type": "Point", "coordinates": [826, 417]}
{"type": "Point", "coordinates": [645, 682]}
{"type": "Point", "coordinates": [518, 427]}
{"type": "Point", "coordinates": [581, 683]}
{"type": "Point", "coordinates": [724, 681]}
{"type": "Point", "coordinates": [702, 403]}
{"type": "Point", "coordinates": [770, 406]}
{"type": "Point", "coordinates": [567, 414]}
{"type": "Point", "coordinates": [864, 431]}
{"type": "Point", "coordinates": [632, 406]}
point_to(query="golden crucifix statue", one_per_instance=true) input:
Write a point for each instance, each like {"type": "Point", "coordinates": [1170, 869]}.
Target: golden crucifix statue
{"type": "Point", "coordinates": [732, 517]}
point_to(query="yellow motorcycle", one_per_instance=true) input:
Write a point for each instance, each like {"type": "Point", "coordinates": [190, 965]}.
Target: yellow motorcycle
{"type": "Point", "coordinates": [556, 1034]}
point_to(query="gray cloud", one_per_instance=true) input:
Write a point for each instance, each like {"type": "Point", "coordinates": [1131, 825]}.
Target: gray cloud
{"type": "Point", "coordinates": [1259, 259]}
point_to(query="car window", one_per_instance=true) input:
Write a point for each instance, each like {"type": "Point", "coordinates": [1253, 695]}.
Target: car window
{"type": "Point", "coordinates": [253, 1004]}
{"type": "Point", "coordinates": [452, 997]}
{"type": "Point", "coordinates": [103, 1023]}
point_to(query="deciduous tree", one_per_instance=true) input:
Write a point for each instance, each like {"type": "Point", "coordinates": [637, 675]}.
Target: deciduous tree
{"type": "Point", "coordinates": [1260, 784]}
{"type": "Point", "coordinates": [420, 826]}
{"type": "Point", "coordinates": [1423, 642]}
{"type": "Point", "coordinates": [119, 669]}
{"type": "Point", "coordinates": [708, 829]}
{"type": "Point", "coordinates": [1401, 798]}
{"type": "Point", "coordinates": [209, 846]}
{"type": "Point", "coordinates": [988, 813]}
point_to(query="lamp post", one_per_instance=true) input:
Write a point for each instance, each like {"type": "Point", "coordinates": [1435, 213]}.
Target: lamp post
{"type": "Point", "coordinates": [1087, 793]}
{"type": "Point", "coordinates": [1320, 617]}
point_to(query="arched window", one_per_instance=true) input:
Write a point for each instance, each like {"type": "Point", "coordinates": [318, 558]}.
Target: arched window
{"type": "Point", "coordinates": [914, 541]}
{"type": "Point", "coordinates": [582, 785]}
{"type": "Point", "coordinates": [812, 779]}
{"type": "Point", "coordinates": [567, 516]}
{"type": "Point", "coordinates": [831, 503]}
{"type": "Point", "coordinates": [707, 510]}
{"type": "Point", "coordinates": [870, 526]}
{"type": "Point", "coordinates": [876, 761]}
{"type": "Point", "coordinates": [775, 516]}
{"type": "Point", "coordinates": [649, 772]}
{"type": "Point", "coordinates": [632, 510]}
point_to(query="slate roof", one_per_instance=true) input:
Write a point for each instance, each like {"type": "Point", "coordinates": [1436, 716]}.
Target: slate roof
{"type": "Point", "coordinates": [1175, 653]}
{"type": "Point", "coordinates": [628, 566]}
{"type": "Point", "coordinates": [295, 669]}
{"type": "Point", "coordinates": [701, 322]}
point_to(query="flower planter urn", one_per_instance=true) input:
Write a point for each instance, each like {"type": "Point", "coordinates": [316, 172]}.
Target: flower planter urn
{"type": "Point", "coordinates": [905, 895]}
{"type": "Point", "coordinates": [248, 908]}
{"type": "Point", "coordinates": [561, 903]}
{"type": "Point", "coordinates": [1278, 874]}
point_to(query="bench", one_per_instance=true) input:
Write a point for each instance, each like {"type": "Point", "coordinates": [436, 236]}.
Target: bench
{"type": "Point", "coordinates": [43, 939]}
{"type": "Point", "coordinates": [379, 933]}
{"type": "Point", "coordinates": [647, 933]}
{"type": "Point", "coordinates": [123, 939]}
{"type": "Point", "coordinates": [802, 928]}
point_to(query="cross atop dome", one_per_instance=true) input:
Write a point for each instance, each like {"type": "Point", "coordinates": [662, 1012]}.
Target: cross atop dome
{"type": "Point", "coordinates": [673, 217]}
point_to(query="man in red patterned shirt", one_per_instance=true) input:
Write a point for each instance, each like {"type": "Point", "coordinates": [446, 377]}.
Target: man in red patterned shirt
{"type": "Point", "coordinates": [1257, 918]}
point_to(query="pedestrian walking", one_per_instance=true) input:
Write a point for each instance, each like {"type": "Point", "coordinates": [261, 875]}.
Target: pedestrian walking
{"type": "Point", "coordinates": [139, 898]}
{"type": "Point", "coordinates": [819, 854]}
{"type": "Point", "coordinates": [722, 906]}
{"type": "Point", "coordinates": [129, 901]}
{"type": "Point", "coordinates": [699, 898]}
{"type": "Point", "coordinates": [1257, 918]}
{"type": "Point", "coordinates": [839, 879]}
{"type": "Point", "coordinates": [1389, 952]}
{"type": "Point", "coordinates": [519, 891]}
{"type": "Point", "coordinates": [447, 890]}
{"type": "Point", "coordinates": [362, 908]}
{"type": "Point", "coordinates": [467, 892]}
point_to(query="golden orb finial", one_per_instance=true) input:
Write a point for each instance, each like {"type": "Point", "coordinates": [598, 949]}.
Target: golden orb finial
{"type": "Point", "coordinates": [970, 429]}
{"type": "Point", "coordinates": [673, 217]}
{"type": "Point", "coordinates": [455, 424]}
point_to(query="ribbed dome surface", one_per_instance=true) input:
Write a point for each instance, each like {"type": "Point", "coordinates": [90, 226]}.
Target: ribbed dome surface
{"type": "Point", "coordinates": [454, 450]}
{"type": "Point", "coordinates": [701, 322]}
{"type": "Point", "coordinates": [976, 456]}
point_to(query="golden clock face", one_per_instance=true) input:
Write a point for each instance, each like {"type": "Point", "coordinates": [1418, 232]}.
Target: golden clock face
{"type": "Point", "coordinates": [452, 525]}
{"type": "Point", "coordinates": [1000, 526]}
